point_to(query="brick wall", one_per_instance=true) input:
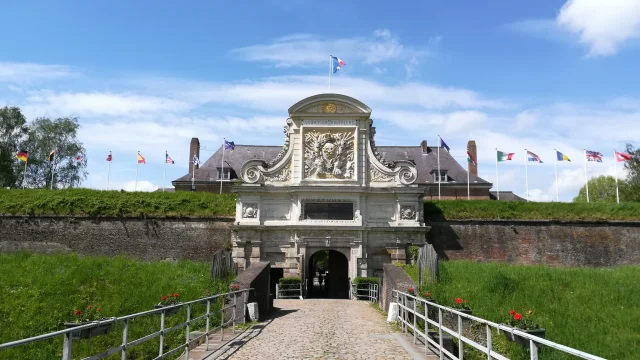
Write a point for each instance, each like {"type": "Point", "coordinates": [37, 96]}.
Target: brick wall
{"type": "Point", "coordinates": [539, 242]}
{"type": "Point", "coordinates": [147, 239]}
{"type": "Point", "coordinates": [394, 278]}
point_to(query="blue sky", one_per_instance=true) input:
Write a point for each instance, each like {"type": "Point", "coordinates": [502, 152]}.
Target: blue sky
{"type": "Point", "coordinates": [149, 76]}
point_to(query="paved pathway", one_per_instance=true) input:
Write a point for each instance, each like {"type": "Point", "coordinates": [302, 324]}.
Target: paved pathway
{"type": "Point", "coordinates": [322, 328]}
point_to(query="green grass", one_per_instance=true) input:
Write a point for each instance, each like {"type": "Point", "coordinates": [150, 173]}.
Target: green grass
{"type": "Point", "coordinates": [115, 203]}
{"type": "Point", "coordinates": [40, 292]}
{"type": "Point", "coordinates": [592, 310]}
{"type": "Point", "coordinates": [86, 202]}
{"type": "Point", "coordinates": [514, 210]}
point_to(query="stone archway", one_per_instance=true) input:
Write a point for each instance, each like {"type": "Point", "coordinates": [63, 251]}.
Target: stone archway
{"type": "Point", "coordinates": [328, 275]}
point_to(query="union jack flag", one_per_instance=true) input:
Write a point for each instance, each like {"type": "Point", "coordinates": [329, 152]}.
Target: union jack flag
{"type": "Point", "coordinates": [593, 156]}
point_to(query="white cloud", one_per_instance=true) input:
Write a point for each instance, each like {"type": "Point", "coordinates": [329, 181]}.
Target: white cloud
{"type": "Point", "coordinates": [525, 120]}
{"type": "Point", "coordinates": [24, 73]}
{"type": "Point", "coordinates": [603, 26]}
{"type": "Point", "coordinates": [143, 185]}
{"type": "Point", "coordinates": [307, 49]}
{"type": "Point", "coordinates": [48, 103]}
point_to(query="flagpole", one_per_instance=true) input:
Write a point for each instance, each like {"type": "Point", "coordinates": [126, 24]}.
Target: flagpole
{"type": "Point", "coordinates": [556, 165]}
{"type": "Point", "coordinates": [193, 172]}
{"type": "Point", "coordinates": [586, 177]}
{"type": "Point", "coordinates": [24, 176]}
{"type": "Point", "coordinates": [615, 164]}
{"type": "Point", "coordinates": [468, 181]}
{"type": "Point", "coordinates": [53, 171]}
{"type": "Point", "coordinates": [137, 165]}
{"type": "Point", "coordinates": [164, 181]}
{"type": "Point", "coordinates": [108, 172]}
{"type": "Point", "coordinates": [497, 176]}
{"type": "Point", "coordinates": [438, 175]}
{"type": "Point", "coordinates": [330, 68]}
{"type": "Point", "coordinates": [222, 174]}
{"type": "Point", "coordinates": [526, 172]}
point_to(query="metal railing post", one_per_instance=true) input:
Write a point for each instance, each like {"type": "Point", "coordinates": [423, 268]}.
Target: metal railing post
{"type": "Point", "coordinates": [161, 334]}
{"type": "Point", "coordinates": [207, 324]}
{"type": "Point", "coordinates": [66, 347]}
{"type": "Point", "coordinates": [224, 303]}
{"type": "Point", "coordinates": [186, 350]}
{"type": "Point", "coordinates": [460, 343]}
{"type": "Point", "coordinates": [426, 328]}
{"type": "Point", "coordinates": [277, 291]}
{"type": "Point", "coordinates": [440, 332]}
{"type": "Point", "coordinates": [234, 314]}
{"type": "Point", "coordinates": [125, 335]}
{"type": "Point", "coordinates": [414, 321]}
{"type": "Point", "coordinates": [533, 349]}
{"type": "Point", "coordinates": [489, 334]}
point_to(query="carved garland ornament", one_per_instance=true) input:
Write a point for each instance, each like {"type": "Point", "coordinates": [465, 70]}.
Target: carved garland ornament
{"type": "Point", "coordinates": [249, 210]}
{"type": "Point", "coordinates": [329, 156]}
{"type": "Point", "coordinates": [376, 175]}
{"type": "Point", "coordinates": [407, 212]}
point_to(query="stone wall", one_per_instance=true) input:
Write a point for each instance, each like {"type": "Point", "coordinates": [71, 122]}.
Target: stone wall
{"type": "Point", "coordinates": [394, 278]}
{"type": "Point", "coordinates": [256, 277]}
{"type": "Point", "coordinates": [147, 239]}
{"type": "Point", "coordinates": [539, 242]}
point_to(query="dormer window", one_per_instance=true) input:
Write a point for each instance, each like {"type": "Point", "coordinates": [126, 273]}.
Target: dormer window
{"type": "Point", "coordinates": [223, 173]}
{"type": "Point", "coordinates": [440, 176]}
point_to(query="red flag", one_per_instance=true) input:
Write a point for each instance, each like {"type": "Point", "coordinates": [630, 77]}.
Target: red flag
{"type": "Point", "coordinates": [620, 156]}
{"type": "Point", "coordinates": [109, 158]}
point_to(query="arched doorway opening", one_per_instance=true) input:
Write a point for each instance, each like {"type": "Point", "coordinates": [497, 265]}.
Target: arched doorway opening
{"type": "Point", "coordinates": [328, 275]}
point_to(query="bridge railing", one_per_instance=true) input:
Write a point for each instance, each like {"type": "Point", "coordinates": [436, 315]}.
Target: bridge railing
{"type": "Point", "coordinates": [424, 318]}
{"type": "Point", "coordinates": [364, 291]}
{"type": "Point", "coordinates": [289, 291]}
{"type": "Point", "coordinates": [229, 306]}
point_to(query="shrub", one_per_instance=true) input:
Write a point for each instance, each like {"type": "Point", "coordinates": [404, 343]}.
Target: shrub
{"type": "Point", "coordinates": [290, 281]}
{"type": "Point", "coordinates": [366, 280]}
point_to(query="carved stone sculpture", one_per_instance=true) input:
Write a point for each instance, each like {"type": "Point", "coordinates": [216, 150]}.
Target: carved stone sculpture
{"type": "Point", "coordinates": [249, 210]}
{"type": "Point", "coordinates": [407, 212]}
{"type": "Point", "coordinates": [329, 155]}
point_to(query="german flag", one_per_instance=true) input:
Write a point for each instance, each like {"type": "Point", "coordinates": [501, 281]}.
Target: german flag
{"type": "Point", "coordinates": [22, 155]}
{"type": "Point", "coordinates": [51, 155]}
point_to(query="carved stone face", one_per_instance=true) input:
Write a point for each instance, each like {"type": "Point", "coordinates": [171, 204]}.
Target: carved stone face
{"type": "Point", "coordinates": [329, 150]}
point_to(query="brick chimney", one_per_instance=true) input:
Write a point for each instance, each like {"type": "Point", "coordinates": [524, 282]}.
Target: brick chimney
{"type": "Point", "coordinates": [424, 147]}
{"type": "Point", "coordinates": [473, 169]}
{"type": "Point", "coordinates": [194, 148]}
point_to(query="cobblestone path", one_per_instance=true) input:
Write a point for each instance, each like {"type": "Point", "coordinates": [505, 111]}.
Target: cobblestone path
{"type": "Point", "coordinates": [326, 329]}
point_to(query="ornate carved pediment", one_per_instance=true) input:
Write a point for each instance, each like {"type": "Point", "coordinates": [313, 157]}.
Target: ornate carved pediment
{"type": "Point", "coordinates": [330, 108]}
{"type": "Point", "coordinates": [329, 104]}
{"type": "Point", "coordinates": [277, 170]}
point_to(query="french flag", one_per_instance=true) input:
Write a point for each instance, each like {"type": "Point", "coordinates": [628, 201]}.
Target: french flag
{"type": "Point", "coordinates": [337, 63]}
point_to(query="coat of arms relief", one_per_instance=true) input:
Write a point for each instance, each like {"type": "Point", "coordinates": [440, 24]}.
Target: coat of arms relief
{"type": "Point", "coordinates": [329, 155]}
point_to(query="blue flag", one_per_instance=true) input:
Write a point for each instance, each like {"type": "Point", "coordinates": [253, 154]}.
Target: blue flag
{"type": "Point", "coordinates": [337, 64]}
{"type": "Point", "coordinates": [444, 145]}
{"type": "Point", "coordinates": [229, 145]}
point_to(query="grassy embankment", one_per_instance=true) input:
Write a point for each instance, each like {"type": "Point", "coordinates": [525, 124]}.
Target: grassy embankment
{"type": "Point", "coordinates": [40, 292]}
{"type": "Point", "coordinates": [85, 202]}
{"type": "Point", "coordinates": [592, 310]}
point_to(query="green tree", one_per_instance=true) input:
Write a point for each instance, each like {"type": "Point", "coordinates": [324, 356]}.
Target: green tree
{"type": "Point", "coordinates": [601, 189]}
{"type": "Point", "coordinates": [13, 130]}
{"type": "Point", "coordinates": [60, 135]}
{"type": "Point", "coordinates": [632, 191]}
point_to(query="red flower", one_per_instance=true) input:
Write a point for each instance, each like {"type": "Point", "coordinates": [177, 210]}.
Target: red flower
{"type": "Point", "coordinates": [458, 300]}
{"type": "Point", "coordinates": [411, 288]}
{"type": "Point", "coordinates": [90, 307]}
{"type": "Point", "coordinates": [512, 312]}
{"type": "Point", "coordinates": [77, 312]}
{"type": "Point", "coordinates": [164, 298]}
{"type": "Point", "coordinates": [98, 309]}
{"type": "Point", "coordinates": [169, 295]}
{"type": "Point", "coordinates": [530, 312]}
{"type": "Point", "coordinates": [175, 295]}
{"type": "Point", "coordinates": [466, 301]}
{"type": "Point", "coordinates": [517, 317]}
{"type": "Point", "coordinates": [427, 294]}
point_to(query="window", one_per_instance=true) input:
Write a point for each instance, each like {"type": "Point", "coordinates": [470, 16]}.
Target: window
{"type": "Point", "coordinates": [224, 175]}
{"type": "Point", "coordinates": [442, 178]}
{"type": "Point", "coordinates": [328, 211]}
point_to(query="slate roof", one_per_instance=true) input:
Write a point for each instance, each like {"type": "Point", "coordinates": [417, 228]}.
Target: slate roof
{"type": "Point", "coordinates": [505, 196]}
{"type": "Point", "coordinates": [425, 163]}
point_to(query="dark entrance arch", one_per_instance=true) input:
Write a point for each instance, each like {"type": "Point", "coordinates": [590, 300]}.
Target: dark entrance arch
{"type": "Point", "coordinates": [328, 275]}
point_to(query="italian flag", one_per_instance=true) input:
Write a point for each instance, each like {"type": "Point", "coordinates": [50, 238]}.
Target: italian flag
{"type": "Point", "coordinates": [470, 158]}
{"type": "Point", "coordinates": [503, 156]}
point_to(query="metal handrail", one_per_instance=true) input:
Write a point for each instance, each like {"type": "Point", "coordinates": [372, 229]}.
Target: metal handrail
{"type": "Point", "coordinates": [67, 333]}
{"type": "Point", "coordinates": [296, 289]}
{"type": "Point", "coordinates": [403, 316]}
{"type": "Point", "coordinates": [369, 291]}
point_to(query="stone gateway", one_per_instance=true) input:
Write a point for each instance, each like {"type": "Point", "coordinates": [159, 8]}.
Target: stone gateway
{"type": "Point", "coordinates": [328, 190]}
